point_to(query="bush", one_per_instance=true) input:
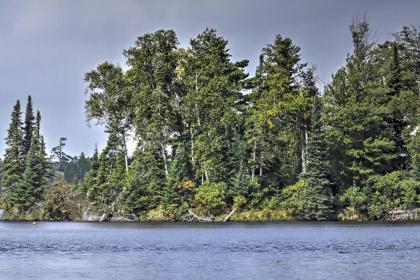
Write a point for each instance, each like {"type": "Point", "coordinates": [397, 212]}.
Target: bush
{"type": "Point", "coordinates": [239, 201]}
{"type": "Point", "coordinates": [60, 203]}
{"type": "Point", "coordinates": [211, 197]}
{"type": "Point", "coordinates": [290, 199]}
{"type": "Point", "coordinates": [382, 194]}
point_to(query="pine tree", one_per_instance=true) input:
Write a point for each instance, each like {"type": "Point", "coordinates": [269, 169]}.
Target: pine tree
{"type": "Point", "coordinates": [213, 106]}
{"type": "Point", "coordinates": [280, 101]}
{"type": "Point", "coordinates": [91, 176]}
{"type": "Point", "coordinates": [180, 174]}
{"type": "Point", "coordinates": [404, 106]}
{"type": "Point", "coordinates": [107, 178]}
{"type": "Point", "coordinates": [144, 191]}
{"type": "Point", "coordinates": [28, 129]}
{"type": "Point", "coordinates": [29, 190]}
{"type": "Point", "coordinates": [360, 139]}
{"type": "Point", "coordinates": [46, 171]}
{"type": "Point", "coordinates": [317, 197]}
{"type": "Point", "coordinates": [13, 164]}
{"type": "Point", "coordinates": [153, 63]}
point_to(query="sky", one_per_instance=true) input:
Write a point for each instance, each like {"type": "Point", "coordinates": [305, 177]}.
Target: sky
{"type": "Point", "coordinates": [46, 46]}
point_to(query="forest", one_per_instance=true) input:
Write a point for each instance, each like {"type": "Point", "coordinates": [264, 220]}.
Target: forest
{"type": "Point", "coordinates": [214, 143]}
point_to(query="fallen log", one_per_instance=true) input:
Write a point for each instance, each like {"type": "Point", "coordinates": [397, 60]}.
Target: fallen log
{"type": "Point", "coordinates": [229, 215]}
{"type": "Point", "coordinates": [103, 218]}
{"type": "Point", "coordinates": [191, 217]}
{"type": "Point", "coordinates": [400, 215]}
{"type": "Point", "coordinates": [199, 218]}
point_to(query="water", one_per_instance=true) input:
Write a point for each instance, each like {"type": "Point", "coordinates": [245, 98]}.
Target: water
{"type": "Point", "coordinates": [199, 251]}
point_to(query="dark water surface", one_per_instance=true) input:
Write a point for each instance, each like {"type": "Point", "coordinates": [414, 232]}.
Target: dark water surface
{"type": "Point", "coordinates": [199, 251]}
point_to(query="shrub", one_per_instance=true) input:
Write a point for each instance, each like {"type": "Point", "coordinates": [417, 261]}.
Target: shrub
{"type": "Point", "coordinates": [290, 199]}
{"type": "Point", "coordinates": [211, 197]}
{"type": "Point", "coordinates": [382, 194]}
{"type": "Point", "coordinates": [60, 203]}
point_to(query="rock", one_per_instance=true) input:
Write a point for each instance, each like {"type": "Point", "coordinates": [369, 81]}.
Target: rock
{"type": "Point", "coordinates": [119, 218]}
{"type": "Point", "coordinates": [89, 216]}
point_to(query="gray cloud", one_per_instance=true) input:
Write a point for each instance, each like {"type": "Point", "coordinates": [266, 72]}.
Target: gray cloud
{"type": "Point", "coordinates": [46, 46]}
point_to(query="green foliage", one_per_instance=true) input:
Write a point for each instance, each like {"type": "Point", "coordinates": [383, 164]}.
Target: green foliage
{"type": "Point", "coordinates": [60, 203]}
{"type": "Point", "coordinates": [13, 163]}
{"type": "Point", "coordinates": [28, 129]}
{"type": "Point", "coordinates": [290, 198]}
{"type": "Point", "coordinates": [26, 168]}
{"type": "Point", "coordinates": [29, 190]}
{"type": "Point", "coordinates": [178, 188]}
{"type": "Point", "coordinates": [195, 126]}
{"type": "Point", "coordinates": [212, 139]}
{"type": "Point", "coordinates": [211, 197]}
{"type": "Point", "coordinates": [317, 193]}
{"type": "Point", "coordinates": [76, 169]}
{"type": "Point", "coordinates": [382, 194]}
{"type": "Point", "coordinates": [212, 106]}
{"type": "Point", "coordinates": [145, 183]}
{"type": "Point", "coordinates": [281, 99]}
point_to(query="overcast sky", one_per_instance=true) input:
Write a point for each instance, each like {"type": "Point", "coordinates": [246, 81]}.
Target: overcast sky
{"type": "Point", "coordinates": [46, 46]}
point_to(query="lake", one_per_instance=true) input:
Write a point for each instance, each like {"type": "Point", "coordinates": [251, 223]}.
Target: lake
{"type": "Point", "coordinates": [209, 251]}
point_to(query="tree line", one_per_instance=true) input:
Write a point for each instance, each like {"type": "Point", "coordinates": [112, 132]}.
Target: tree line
{"type": "Point", "coordinates": [211, 140]}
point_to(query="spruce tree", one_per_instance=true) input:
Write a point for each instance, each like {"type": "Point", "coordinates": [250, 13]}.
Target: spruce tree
{"type": "Point", "coordinates": [145, 187]}
{"type": "Point", "coordinates": [13, 163]}
{"type": "Point", "coordinates": [90, 179]}
{"type": "Point", "coordinates": [46, 170]}
{"type": "Point", "coordinates": [106, 181]}
{"type": "Point", "coordinates": [317, 197]}
{"type": "Point", "coordinates": [213, 106]}
{"type": "Point", "coordinates": [360, 138]}
{"type": "Point", "coordinates": [153, 63]}
{"type": "Point", "coordinates": [24, 196]}
{"type": "Point", "coordinates": [280, 102]}
{"type": "Point", "coordinates": [28, 129]}
{"type": "Point", "coordinates": [180, 174]}
{"type": "Point", "coordinates": [30, 188]}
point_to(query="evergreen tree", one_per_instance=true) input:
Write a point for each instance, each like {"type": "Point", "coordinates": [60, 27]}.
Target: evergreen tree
{"type": "Point", "coordinates": [404, 102]}
{"type": "Point", "coordinates": [76, 169]}
{"type": "Point", "coordinates": [28, 129]}
{"type": "Point", "coordinates": [46, 170]}
{"type": "Point", "coordinates": [91, 176]}
{"type": "Point", "coordinates": [178, 182]}
{"type": "Point", "coordinates": [110, 101]}
{"type": "Point", "coordinates": [213, 106]}
{"type": "Point", "coordinates": [152, 76]}
{"type": "Point", "coordinates": [280, 101]}
{"type": "Point", "coordinates": [13, 163]}
{"type": "Point", "coordinates": [153, 63]}
{"type": "Point", "coordinates": [317, 196]}
{"type": "Point", "coordinates": [107, 177]}
{"type": "Point", "coordinates": [361, 140]}
{"type": "Point", "coordinates": [145, 184]}
{"type": "Point", "coordinates": [29, 190]}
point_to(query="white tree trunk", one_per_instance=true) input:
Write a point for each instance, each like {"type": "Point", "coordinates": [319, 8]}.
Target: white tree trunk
{"type": "Point", "coordinates": [164, 159]}
{"type": "Point", "coordinates": [304, 145]}
{"type": "Point", "coordinates": [254, 158]}
{"type": "Point", "coordinates": [125, 151]}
